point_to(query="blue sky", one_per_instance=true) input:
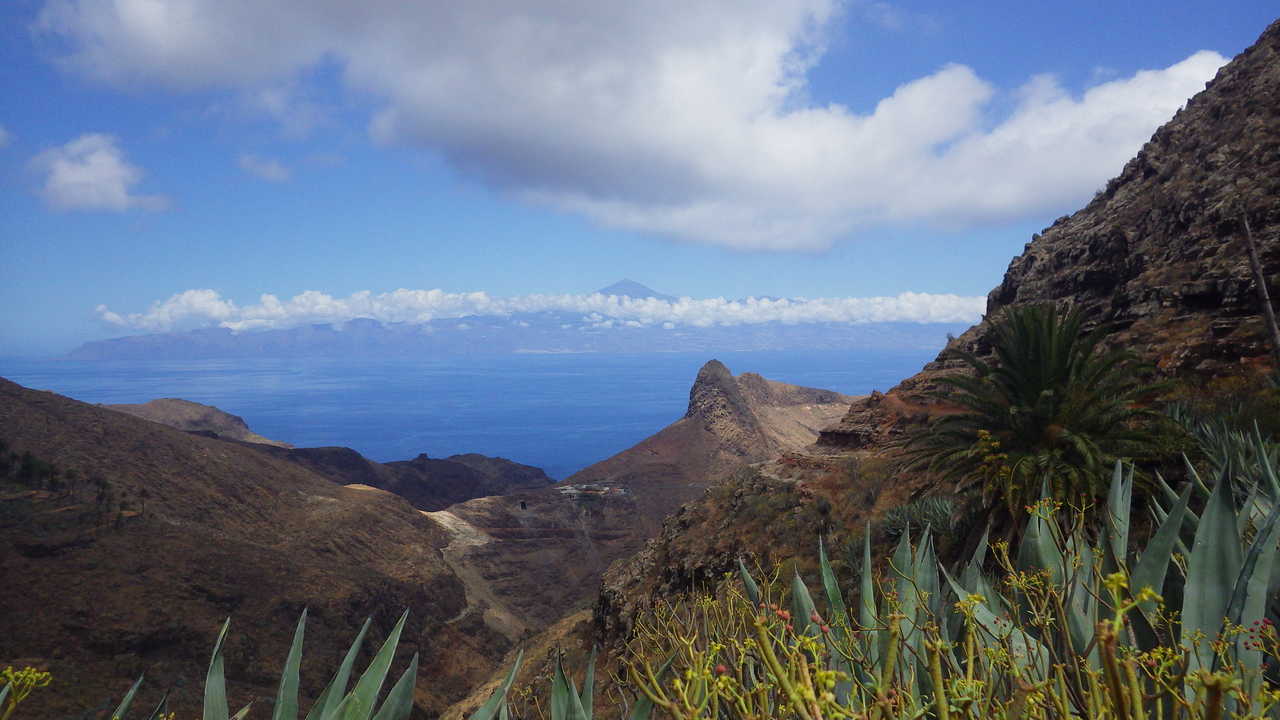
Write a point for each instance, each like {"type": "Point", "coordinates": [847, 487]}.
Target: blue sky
{"type": "Point", "coordinates": [813, 148]}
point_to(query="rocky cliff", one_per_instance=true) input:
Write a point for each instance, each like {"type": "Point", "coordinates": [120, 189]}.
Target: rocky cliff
{"type": "Point", "coordinates": [729, 421]}
{"type": "Point", "coordinates": [1159, 254]}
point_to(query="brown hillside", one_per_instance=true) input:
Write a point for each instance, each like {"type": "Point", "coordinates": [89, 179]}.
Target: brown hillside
{"type": "Point", "coordinates": [194, 417]}
{"type": "Point", "coordinates": [129, 558]}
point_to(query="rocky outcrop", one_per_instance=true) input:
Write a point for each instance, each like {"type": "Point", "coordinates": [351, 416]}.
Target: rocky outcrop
{"type": "Point", "coordinates": [193, 417]}
{"type": "Point", "coordinates": [729, 421]}
{"type": "Point", "coordinates": [1159, 254]}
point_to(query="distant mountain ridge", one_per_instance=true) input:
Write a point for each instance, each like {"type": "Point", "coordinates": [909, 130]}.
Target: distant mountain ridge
{"type": "Point", "coordinates": [541, 332]}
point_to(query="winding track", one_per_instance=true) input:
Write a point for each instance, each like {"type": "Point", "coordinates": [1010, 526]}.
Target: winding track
{"type": "Point", "coordinates": [480, 596]}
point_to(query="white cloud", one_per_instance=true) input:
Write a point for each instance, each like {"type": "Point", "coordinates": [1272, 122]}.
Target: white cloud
{"type": "Point", "coordinates": [5, 137]}
{"type": "Point", "coordinates": [690, 120]}
{"type": "Point", "coordinates": [192, 308]}
{"type": "Point", "coordinates": [264, 168]}
{"type": "Point", "coordinates": [202, 308]}
{"type": "Point", "coordinates": [91, 173]}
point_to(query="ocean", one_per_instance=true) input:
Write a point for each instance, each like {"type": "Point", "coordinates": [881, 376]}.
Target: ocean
{"type": "Point", "coordinates": [560, 412]}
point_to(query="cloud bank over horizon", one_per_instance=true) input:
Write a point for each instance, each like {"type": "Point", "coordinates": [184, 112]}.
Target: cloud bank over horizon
{"type": "Point", "coordinates": [701, 130]}
{"type": "Point", "coordinates": [207, 308]}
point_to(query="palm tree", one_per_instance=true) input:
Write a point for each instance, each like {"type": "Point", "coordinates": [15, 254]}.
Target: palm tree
{"type": "Point", "coordinates": [1052, 407]}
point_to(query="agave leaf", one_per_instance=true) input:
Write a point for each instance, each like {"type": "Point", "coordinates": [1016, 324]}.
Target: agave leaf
{"type": "Point", "coordinates": [588, 685]}
{"type": "Point", "coordinates": [1195, 476]}
{"type": "Point", "coordinates": [565, 703]}
{"type": "Point", "coordinates": [504, 713]}
{"type": "Point", "coordinates": [156, 714]}
{"type": "Point", "coordinates": [121, 709]}
{"type": "Point", "coordinates": [837, 620]}
{"type": "Point", "coordinates": [1119, 501]}
{"type": "Point", "coordinates": [1082, 601]}
{"type": "Point", "coordinates": [802, 607]}
{"type": "Point", "coordinates": [838, 613]}
{"type": "Point", "coordinates": [4, 694]}
{"type": "Point", "coordinates": [359, 704]}
{"type": "Point", "coordinates": [908, 600]}
{"type": "Point", "coordinates": [399, 702]}
{"type": "Point", "coordinates": [753, 590]}
{"type": "Point", "coordinates": [1152, 565]}
{"type": "Point", "coordinates": [499, 697]}
{"type": "Point", "coordinates": [1264, 460]}
{"type": "Point", "coordinates": [1212, 570]}
{"type": "Point", "coordinates": [327, 704]}
{"type": "Point", "coordinates": [244, 711]}
{"type": "Point", "coordinates": [286, 707]}
{"type": "Point", "coordinates": [215, 686]}
{"type": "Point", "coordinates": [1249, 595]}
{"type": "Point", "coordinates": [867, 618]}
{"type": "Point", "coordinates": [973, 570]}
{"type": "Point", "coordinates": [1039, 550]}
{"type": "Point", "coordinates": [1245, 519]}
{"type": "Point", "coordinates": [925, 576]}
{"type": "Point", "coordinates": [1025, 650]}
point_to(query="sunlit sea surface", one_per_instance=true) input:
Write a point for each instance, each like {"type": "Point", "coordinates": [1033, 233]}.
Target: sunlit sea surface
{"type": "Point", "coordinates": [559, 412]}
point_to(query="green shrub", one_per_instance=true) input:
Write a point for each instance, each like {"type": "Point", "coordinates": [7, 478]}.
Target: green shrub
{"type": "Point", "coordinates": [936, 512]}
{"type": "Point", "coordinates": [1053, 407]}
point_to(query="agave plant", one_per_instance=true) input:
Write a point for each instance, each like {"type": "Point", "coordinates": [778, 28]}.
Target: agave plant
{"type": "Point", "coordinates": [1078, 626]}
{"type": "Point", "coordinates": [334, 703]}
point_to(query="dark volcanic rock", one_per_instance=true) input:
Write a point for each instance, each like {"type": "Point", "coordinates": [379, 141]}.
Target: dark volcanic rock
{"type": "Point", "coordinates": [1159, 254]}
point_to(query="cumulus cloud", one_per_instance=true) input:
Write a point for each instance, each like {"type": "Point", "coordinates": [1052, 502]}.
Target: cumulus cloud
{"type": "Point", "coordinates": [698, 128]}
{"type": "Point", "coordinates": [91, 173]}
{"type": "Point", "coordinates": [264, 168]}
{"type": "Point", "coordinates": [205, 308]}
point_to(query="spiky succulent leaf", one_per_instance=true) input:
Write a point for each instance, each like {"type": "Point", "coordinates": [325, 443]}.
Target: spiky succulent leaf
{"type": "Point", "coordinates": [748, 583]}
{"type": "Point", "coordinates": [802, 607]}
{"type": "Point", "coordinates": [838, 613]}
{"type": "Point", "coordinates": [121, 710]}
{"type": "Point", "coordinates": [867, 617]}
{"type": "Point", "coordinates": [215, 686]}
{"type": "Point", "coordinates": [159, 712]}
{"type": "Point", "coordinates": [1249, 595]}
{"type": "Point", "coordinates": [331, 697]}
{"type": "Point", "coordinates": [565, 702]}
{"type": "Point", "coordinates": [359, 704]}
{"type": "Point", "coordinates": [1119, 501]}
{"type": "Point", "coordinates": [499, 697]}
{"type": "Point", "coordinates": [1026, 651]}
{"type": "Point", "coordinates": [286, 707]}
{"type": "Point", "coordinates": [399, 702]}
{"type": "Point", "coordinates": [1212, 570]}
{"type": "Point", "coordinates": [1153, 564]}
